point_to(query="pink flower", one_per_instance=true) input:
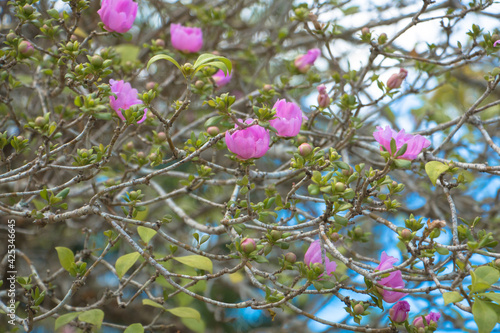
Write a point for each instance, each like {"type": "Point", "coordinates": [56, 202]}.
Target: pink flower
{"type": "Point", "coordinates": [395, 80]}
{"type": "Point", "coordinates": [26, 48]}
{"type": "Point", "coordinates": [415, 143]}
{"type": "Point", "coordinates": [313, 255]}
{"type": "Point", "coordinates": [118, 15]}
{"type": "Point", "coordinates": [305, 61]}
{"type": "Point", "coordinates": [289, 118]}
{"type": "Point", "coordinates": [431, 317]}
{"type": "Point", "coordinates": [222, 79]}
{"type": "Point", "coordinates": [495, 44]}
{"type": "Point", "coordinates": [186, 39]}
{"type": "Point", "coordinates": [251, 142]}
{"type": "Point", "coordinates": [394, 280]}
{"type": "Point", "coordinates": [399, 312]}
{"type": "Point", "coordinates": [126, 97]}
{"type": "Point", "coordinates": [323, 98]}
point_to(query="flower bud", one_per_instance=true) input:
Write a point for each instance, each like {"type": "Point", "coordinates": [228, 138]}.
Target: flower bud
{"type": "Point", "coordinates": [74, 38]}
{"type": "Point", "coordinates": [359, 308]}
{"type": "Point", "coordinates": [406, 234]}
{"type": "Point", "coordinates": [497, 263]}
{"type": "Point", "coordinates": [96, 60]}
{"type": "Point", "coordinates": [199, 84]}
{"type": "Point", "coordinates": [291, 257]}
{"type": "Point", "coordinates": [150, 85]}
{"type": "Point", "coordinates": [275, 234]}
{"type": "Point", "coordinates": [28, 9]}
{"type": "Point", "coordinates": [160, 42]}
{"type": "Point", "coordinates": [358, 231]}
{"type": "Point", "coordinates": [395, 80]}
{"type": "Point", "coordinates": [141, 155]}
{"type": "Point", "coordinates": [248, 245]}
{"type": "Point", "coordinates": [382, 38]}
{"type": "Point", "coordinates": [152, 157]}
{"type": "Point", "coordinates": [129, 145]}
{"type": "Point", "coordinates": [365, 31]}
{"type": "Point", "coordinates": [213, 130]}
{"type": "Point", "coordinates": [20, 138]}
{"type": "Point", "coordinates": [301, 139]}
{"type": "Point", "coordinates": [323, 98]}
{"type": "Point", "coordinates": [349, 172]}
{"type": "Point", "coordinates": [11, 36]}
{"type": "Point", "coordinates": [40, 121]}
{"type": "Point", "coordinates": [26, 49]}
{"type": "Point", "coordinates": [340, 187]}
{"type": "Point", "coordinates": [399, 312]}
{"type": "Point", "coordinates": [161, 136]}
{"type": "Point", "coordinates": [267, 87]}
{"type": "Point", "coordinates": [305, 149]}
{"type": "Point", "coordinates": [335, 236]}
{"type": "Point", "coordinates": [318, 267]}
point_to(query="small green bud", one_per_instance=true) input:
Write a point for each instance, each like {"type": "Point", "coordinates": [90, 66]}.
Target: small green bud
{"type": "Point", "coordinates": [152, 157]}
{"type": "Point", "coordinates": [318, 267]}
{"type": "Point", "coordinates": [275, 234]}
{"type": "Point", "coordinates": [497, 263]}
{"type": "Point", "coordinates": [96, 60]}
{"type": "Point", "coordinates": [358, 231]}
{"type": "Point", "coordinates": [141, 155]}
{"type": "Point", "coordinates": [267, 87]}
{"type": "Point", "coordinates": [301, 139]}
{"type": "Point", "coordinates": [28, 9]}
{"type": "Point", "coordinates": [26, 49]}
{"type": "Point", "coordinates": [305, 149]}
{"type": "Point", "coordinates": [359, 308]}
{"type": "Point", "coordinates": [159, 42]}
{"type": "Point", "coordinates": [150, 85]}
{"type": "Point", "coordinates": [334, 236]}
{"type": "Point", "coordinates": [248, 245]}
{"type": "Point", "coordinates": [213, 130]}
{"type": "Point", "coordinates": [382, 38]}
{"type": "Point", "coordinates": [40, 121]}
{"type": "Point", "coordinates": [162, 136]}
{"type": "Point", "coordinates": [340, 187]}
{"type": "Point", "coordinates": [199, 84]}
{"type": "Point", "coordinates": [291, 257]}
{"type": "Point", "coordinates": [10, 37]}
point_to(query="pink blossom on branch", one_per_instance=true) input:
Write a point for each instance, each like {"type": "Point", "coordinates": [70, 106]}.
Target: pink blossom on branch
{"type": "Point", "coordinates": [497, 43]}
{"type": "Point", "coordinates": [396, 80]}
{"type": "Point", "coordinates": [186, 39]}
{"type": "Point", "coordinates": [415, 143]}
{"type": "Point", "coordinates": [126, 97]}
{"type": "Point", "coordinates": [251, 142]}
{"type": "Point", "coordinates": [394, 280]}
{"type": "Point", "coordinates": [289, 118]}
{"type": "Point", "coordinates": [305, 61]}
{"type": "Point", "coordinates": [323, 98]}
{"type": "Point", "coordinates": [118, 15]}
{"type": "Point", "coordinates": [222, 79]}
{"type": "Point", "coordinates": [399, 312]}
{"type": "Point", "coordinates": [313, 256]}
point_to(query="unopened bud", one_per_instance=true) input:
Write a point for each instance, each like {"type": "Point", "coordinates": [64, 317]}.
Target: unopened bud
{"type": "Point", "coordinates": [340, 187]}
{"type": "Point", "coordinates": [382, 38]}
{"type": "Point", "coordinates": [365, 31]}
{"type": "Point", "coordinates": [74, 37]}
{"type": "Point", "coordinates": [318, 267]}
{"type": "Point", "coordinates": [275, 234]}
{"type": "Point", "coordinates": [11, 36]}
{"type": "Point", "coordinates": [358, 231]}
{"type": "Point", "coordinates": [26, 49]}
{"type": "Point", "coordinates": [394, 184]}
{"type": "Point", "coordinates": [291, 257]}
{"type": "Point", "coordinates": [323, 98]}
{"type": "Point", "coordinates": [335, 236]}
{"type": "Point", "coordinates": [305, 149]}
{"type": "Point", "coordinates": [160, 42]}
{"type": "Point", "coordinates": [497, 263]}
{"type": "Point", "coordinates": [301, 139]}
{"type": "Point", "coordinates": [20, 138]}
{"type": "Point", "coordinates": [153, 156]}
{"type": "Point", "coordinates": [28, 9]}
{"type": "Point", "coordinates": [248, 245]}
{"type": "Point", "coordinates": [213, 130]}
{"type": "Point", "coordinates": [267, 87]}
{"type": "Point", "coordinates": [162, 136]}
{"type": "Point", "coordinates": [199, 84]}
{"type": "Point", "coordinates": [96, 60]}
{"type": "Point", "coordinates": [396, 80]}
{"type": "Point", "coordinates": [130, 145]}
{"type": "Point", "coordinates": [359, 308]}
{"type": "Point", "coordinates": [406, 234]}
{"type": "Point", "coordinates": [348, 172]}
{"type": "Point", "coordinates": [40, 121]}
{"type": "Point", "coordinates": [141, 155]}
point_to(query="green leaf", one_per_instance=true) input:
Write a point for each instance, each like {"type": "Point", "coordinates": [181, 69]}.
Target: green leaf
{"type": "Point", "coordinates": [443, 251]}
{"type": "Point", "coordinates": [208, 57]}
{"type": "Point", "coordinates": [134, 328]}
{"type": "Point", "coordinates": [146, 233]}
{"type": "Point", "coordinates": [197, 326]}
{"type": "Point", "coordinates": [65, 319]}
{"type": "Point", "coordinates": [495, 297]}
{"type": "Point", "coordinates": [66, 257]}
{"type": "Point", "coordinates": [452, 297]}
{"type": "Point", "coordinates": [165, 57]}
{"type": "Point", "coordinates": [483, 277]}
{"type": "Point", "coordinates": [484, 316]}
{"type": "Point", "coordinates": [149, 302]}
{"type": "Point", "coordinates": [402, 164]}
{"type": "Point", "coordinates": [196, 261]}
{"type": "Point", "coordinates": [213, 121]}
{"type": "Point", "coordinates": [434, 169]}
{"type": "Point", "coordinates": [185, 312]}
{"type": "Point", "coordinates": [125, 262]}
{"type": "Point", "coordinates": [94, 317]}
